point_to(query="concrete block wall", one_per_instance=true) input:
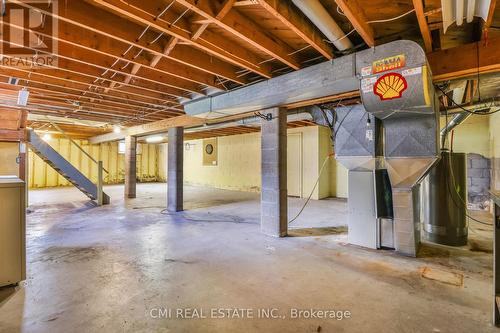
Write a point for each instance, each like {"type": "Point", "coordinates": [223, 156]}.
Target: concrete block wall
{"type": "Point", "coordinates": [495, 150]}
{"type": "Point", "coordinates": [478, 180]}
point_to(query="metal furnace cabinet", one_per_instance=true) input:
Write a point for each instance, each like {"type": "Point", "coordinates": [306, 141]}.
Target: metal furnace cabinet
{"type": "Point", "coordinates": [12, 231]}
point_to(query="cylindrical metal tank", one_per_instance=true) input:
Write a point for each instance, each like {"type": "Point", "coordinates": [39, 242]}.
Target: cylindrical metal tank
{"type": "Point", "coordinates": [444, 209]}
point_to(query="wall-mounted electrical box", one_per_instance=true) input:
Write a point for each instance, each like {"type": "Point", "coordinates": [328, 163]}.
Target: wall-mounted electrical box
{"type": "Point", "coordinates": [210, 152]}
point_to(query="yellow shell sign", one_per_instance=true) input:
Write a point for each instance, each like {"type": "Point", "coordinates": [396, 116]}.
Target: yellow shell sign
{"type": "Point", "coordinates": [390, 86]}
{"type": "Point", "coordinates": [388, 64]}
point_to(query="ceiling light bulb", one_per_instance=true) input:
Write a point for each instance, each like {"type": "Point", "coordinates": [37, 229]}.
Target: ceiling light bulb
{"type": "Point", "coordinates": [154, 139]}
{"type": "Point", "coordinates": [47, 137]}
{"type": "Point", "coordinates": [117, 129]}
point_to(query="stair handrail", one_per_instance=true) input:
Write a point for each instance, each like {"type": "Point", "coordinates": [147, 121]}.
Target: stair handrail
{"type": "Point", "coordinates": [76, 144]}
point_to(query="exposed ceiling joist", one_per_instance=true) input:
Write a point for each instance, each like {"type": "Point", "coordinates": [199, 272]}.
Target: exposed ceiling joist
{"type": "Point", "coordinates": [422, 23]}
{"type": "Point", "coordinates": [288, 15]}
{"type": "Point", "coordinates": [214, 44]}
{"type": "Point", "coordinates": [246, 30]}
{"type": "Point", "coordinates": [104, 23]}
{"type": "Point", "coordinates": [354, 13]}
{"type": "Point", "coordinates": [465, 60]}
{"type": "Point", "coordinates": [151, 128]}
{"type": "Point", "coordinates": [489, 19]}
{"type": "Point", "coordinates": [225, 8]}
{"type": "Point", "coordinates": [120, 94]}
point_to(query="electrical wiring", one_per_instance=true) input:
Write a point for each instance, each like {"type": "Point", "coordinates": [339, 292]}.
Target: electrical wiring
{"type": "Point", "coordinates": [340, 11]}
{"type": "Point", "coordinates": [313, 189]}
{"type": "Point", "coordinates": [464, 109]}
{"type": "Point", "coordinates": [369, 22]}
{"type": "Point", "coordinates": [452, 183]}
{"type": "Point", "coordinates": [345, 36]}
{"type": "Point", "coordinates": [334, 135]}
{"type": "Point", "coordinates": [392, 18]}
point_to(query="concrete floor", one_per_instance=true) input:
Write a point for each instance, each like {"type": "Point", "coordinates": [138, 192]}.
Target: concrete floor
{"type": "Point", "coordinates": [106, 269]}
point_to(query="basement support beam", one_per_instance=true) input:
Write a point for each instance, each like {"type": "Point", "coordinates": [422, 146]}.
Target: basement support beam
{"type": "Point", "coordinates": [422, 23]}
{"type": "Point", "coordinates": [130, 167]}
{"type": "Point", "coordinates": [320, 83]}
{"type": "Point", "coordinates": [489, 19]}
{"type": "Point", "coordinates": [274, 196]}
{"type": "Point", "coordinates": [355, 14]}
{"type": "Point", "coordinates": [175, 169]}
{"type": "Point", "coordinates": [465, 60]}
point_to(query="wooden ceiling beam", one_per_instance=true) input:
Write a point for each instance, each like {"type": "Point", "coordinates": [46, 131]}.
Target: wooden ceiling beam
{"type": "Point", "coordinates": [36, 92]}
{"type": "Point", "coordinates": [355, 14]}
{"type": "Point", "coordinates": [225, 8]}
{"type": "Point", "coordinates": [489, 19]}
{"type": "Point", "coordinates": [113, 65]}
{"type": "Point", "coordinates": [72, 112]}
{"type": "Point", "coordinates": [80, 115]}
{"type": "Point", "coordinates": [78, 37]}
{"type": "Point", "coordinates": [99, 70]}
{"type": "Point", "coordinates": [161, 82]}
{"type": "Point", "coordinates": [422, 23]}
{"type": "Point", "coordinates": [289, 16]}
{"type": "Point", "coordinates": [80, 89]}
{"type": "Point", "coordinates": [151, 128]}
{"type": "Point", "coordinates": [102, 22]}
{"type": "Point", "coordinates": [245, 3]}
{"type": "Point", "coordinates": [60, 100]}
{"type": "Point", "coordinates": [12, 135]}
{"type": "Point", "coordinates": [465, 60]}
{"type": "Point", "coordinates": [145, 13]}
{"type": "Point", "coordinates": [65, 109]}
{"type": "Point", "coordinates": [64, 105]}
{"type": "Point", "coordinates": [246, 30]}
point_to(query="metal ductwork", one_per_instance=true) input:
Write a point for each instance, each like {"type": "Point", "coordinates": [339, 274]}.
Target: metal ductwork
{"type": "Point", "coordinates": [454, 122]}
{"type": "Point", "coordinates": [358, 147]}
{"type": "Point", "coordinates": [253, 121]}
{"type": "Point", "coordinates": [396, 87]}
{"type": "Point", "coordinates": [315, 11]}
{"type": "Point", "coordinates": [338, 76]}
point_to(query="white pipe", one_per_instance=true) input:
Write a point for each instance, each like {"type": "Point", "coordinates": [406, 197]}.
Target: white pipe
{"type": "Point", "coordinates": [315, 11]}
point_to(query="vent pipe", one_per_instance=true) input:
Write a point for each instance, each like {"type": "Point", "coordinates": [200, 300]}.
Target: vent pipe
{"type": "Point", "coordinates": [315, 11]}
{"type": "Point", "coordinates": [454, 122]}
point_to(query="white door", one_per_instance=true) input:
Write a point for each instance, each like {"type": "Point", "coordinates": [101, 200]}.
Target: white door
{"type": "Point", "coordinates": [294, 165]}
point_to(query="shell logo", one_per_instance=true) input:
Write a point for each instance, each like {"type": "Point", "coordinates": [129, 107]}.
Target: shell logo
{"type": "Point", "coordinates": [390, 86]}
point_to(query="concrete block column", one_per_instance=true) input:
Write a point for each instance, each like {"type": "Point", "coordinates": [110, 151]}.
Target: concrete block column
{"type": "Point", "coordinates": [175, 169]}
{"type": "Point", "coordinates": [130, 166]}
{"type": "Point", "coordinates": [274, 218]}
